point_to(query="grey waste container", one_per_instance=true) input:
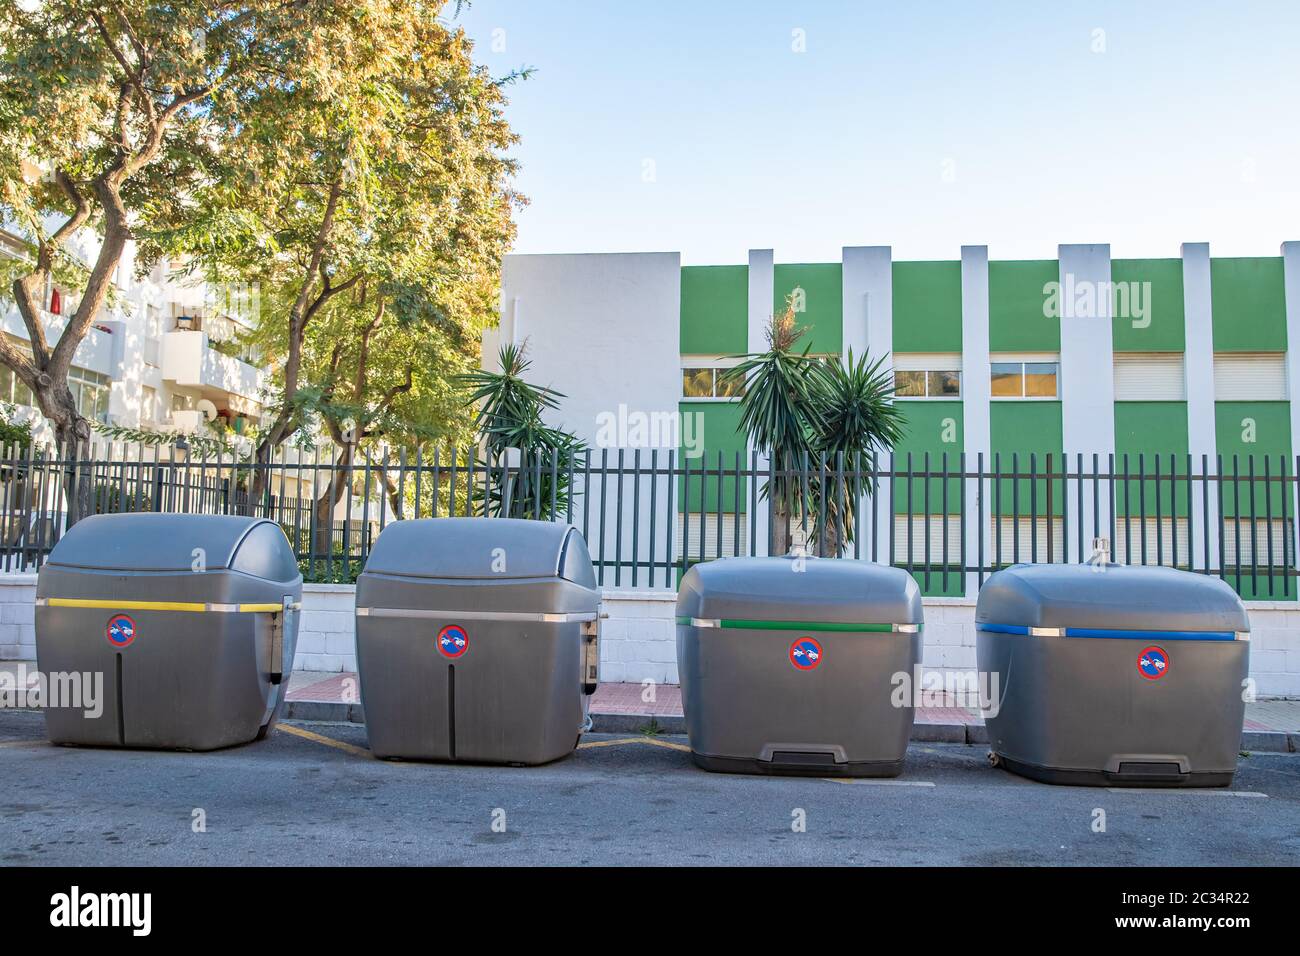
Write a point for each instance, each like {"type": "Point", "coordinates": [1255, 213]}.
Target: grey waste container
{"type": "Point", "coordinates": [190, 619]}
{"type": "Point", "coordinates": [477, 640]}
{"type": "Point", "coordinates": [1113, 674]}
{"type": "Point", "coordinates": [788, 665]}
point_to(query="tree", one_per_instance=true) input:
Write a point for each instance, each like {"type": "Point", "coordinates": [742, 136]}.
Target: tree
{"type": "Point", "coordinates": [385, 376]}
{"type": "Point", "coordinates": [106, 126]}
{"type": "Point", "coordinates": [779, 413]}
{"type": "Point", "coordinates": [369, 199]}
{"type": "Point", "coordinates": [800, 410]}
{"type": "Point", "coordinates": [510, 420]}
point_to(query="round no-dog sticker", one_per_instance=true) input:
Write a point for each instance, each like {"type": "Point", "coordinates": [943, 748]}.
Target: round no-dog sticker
{"type": "Point", "coordinates": [805, 654]}
{"type": "Point", "coordinates": [1153, 663]}
{"type": "Point", "coordinates": [120, 630]}
{"type": "Point", "coordinates": [453, 641]}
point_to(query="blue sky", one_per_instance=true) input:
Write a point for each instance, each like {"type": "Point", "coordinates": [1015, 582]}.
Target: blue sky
{"type": "Point", "coordinates": [694, 126]}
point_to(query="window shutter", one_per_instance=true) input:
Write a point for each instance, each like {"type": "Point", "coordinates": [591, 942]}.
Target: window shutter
{"type": "Point", "coordinates": [1149, 376]}
{"type": "Point", "coordinates": [1250, 376]}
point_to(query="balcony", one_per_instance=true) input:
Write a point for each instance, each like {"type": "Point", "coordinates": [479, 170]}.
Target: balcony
{"type": "Point", "coordinates": [189, 360]}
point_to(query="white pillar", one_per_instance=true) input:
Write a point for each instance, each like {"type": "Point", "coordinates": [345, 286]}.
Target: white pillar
{"type": "Point", "coordinates": [1087, 381]}
{"type": "Point", "coordinates": [1291, 290]}
{"type": "Point", "coordinates": [975, 389]}
{"type": "Point", "coordinates": [762, 288]}
{"type": "Point", "coordinates": [1198, 359]}
{"type": "Point", "coordinates": [868, 308]}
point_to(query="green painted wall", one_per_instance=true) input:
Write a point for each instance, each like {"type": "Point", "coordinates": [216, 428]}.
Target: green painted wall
{"type": "Point", "coordinates": [1269, 424]}
{"type": "Point", "coordinates": [1025, 428]}
{"type": "Point", "coordinates": [927, 426]}
{"type": "Point", "coordinates": [719, 421]}
{"type": "Point", "coordinates": [823, 288]}
{"type": "Point", "coordinates": [1016, 300]}
{"type": "Point", "coordinates": [1159, 293]}
{"type": "Point", "coordinates": [927, 306]}
{"type": "Point", "coordinates": [715, 310]}
{"type": "Point", "coordinates": [1272, 440]}
{"type": "Point", "coordinates": [934, 428]}
{"type": "Point", "coordinates": [1249, 303]}
{"type": "Point", "coordinates": [1151, 430]}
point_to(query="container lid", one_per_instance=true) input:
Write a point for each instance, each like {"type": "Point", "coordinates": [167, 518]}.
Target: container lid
{"type": "Point", "coordinates": [147, 541]}
{"type": "Point", "coordinates": [481, 548]}
{"type": "Point", "coordinates": [1110, 597]}
{"type": "Point", "coordinates": [754, 592]}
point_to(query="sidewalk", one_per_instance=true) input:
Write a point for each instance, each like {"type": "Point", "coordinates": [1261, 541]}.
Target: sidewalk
{"type": "Point", "coordinates": [1270, 725]}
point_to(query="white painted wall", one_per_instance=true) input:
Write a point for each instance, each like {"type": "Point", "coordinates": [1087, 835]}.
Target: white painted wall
{"type": "Point", "coordinates": [603, 330]}
{"type": "Point", "coordinates": [976, 391]}
{"type": "Point", "coordinates": [1198, 359]}
{"type": "Point", "coordinates": [1291, 293]}
{"type": "Point", "coordinates": [762, 291]}
{"type": "Point", "coordinates": [868, 308]}
{"type": "Point", "coordinates": [1087, 380]}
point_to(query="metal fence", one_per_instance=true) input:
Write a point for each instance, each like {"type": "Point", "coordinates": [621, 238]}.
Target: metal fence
{"type": "Point", "coordinates": [648, 515]}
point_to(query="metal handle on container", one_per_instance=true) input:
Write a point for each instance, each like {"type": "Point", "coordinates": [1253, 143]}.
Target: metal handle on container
{"type": "Point", "coordinates": [591, 655]}
{"type": "Point", "coordinates": [277, 668]}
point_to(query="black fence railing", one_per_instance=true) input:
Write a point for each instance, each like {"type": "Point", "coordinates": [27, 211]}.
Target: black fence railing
{"type": "Point", "coordinates": [649, 514]}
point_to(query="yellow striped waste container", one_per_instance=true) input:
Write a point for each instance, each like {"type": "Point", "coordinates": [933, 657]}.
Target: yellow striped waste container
{"type": "Point", "coordinates": [185, 623]}
{"type": "Point", "coordinates": [797, 665]}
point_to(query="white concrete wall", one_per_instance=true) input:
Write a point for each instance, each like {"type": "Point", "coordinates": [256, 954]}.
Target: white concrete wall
{"type": "Point", "coordinates": [1087, 381]}
{"type": "Point", "coordinates": [976, 393]}
{"type": "Point", "coordinates": [761, 291]}
{"type": "Point", "coordinates": [603, 330]}
{"type": "Point", "coordinates": [868, 310]}
{"type": "Point", "coordinates": [1198, 371]}
{"type": "Point", "coordinates": [17, 617]}
{"type": "Point", "coordinates": [638, 639]}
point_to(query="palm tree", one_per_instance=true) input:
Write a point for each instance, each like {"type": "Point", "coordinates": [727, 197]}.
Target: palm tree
{"type": "Point", "coordinates": [510, 417]}
{"type": "Point", "coordinates": [858, 417]}
{"type": "Point", "coordinates": [780, 413]}
{"type": "Point", "coordinates": [799, 408]}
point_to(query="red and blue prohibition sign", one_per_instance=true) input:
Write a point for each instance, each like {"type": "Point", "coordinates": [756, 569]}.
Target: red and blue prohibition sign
{"type": "Point", "coordinates": [120, 630]}
{"type": "Point", "coordinates": [805, 654]}
{"type": "Point", "coordinates": [453, 641]}
{"type": "Point", "coordinates": [1153, 663]}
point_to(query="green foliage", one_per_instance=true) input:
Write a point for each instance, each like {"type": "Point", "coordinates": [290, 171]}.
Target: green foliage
{"type": "Point", "coordinates": [370, 205]}
{"type": "Point", "coordinates": [510, 418]}
{"type": "Point", "coordinates": [211, 445]}
{"type": "Point", "coordinates": [798, 408]}
{"type": "Point", "coordinates": [13, 434]}
{"type": "Point", "coordinates": [779, 408]}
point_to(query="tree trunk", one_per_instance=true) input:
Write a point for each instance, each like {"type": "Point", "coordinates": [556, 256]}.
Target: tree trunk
{"type": "Point", "coordinates": [335, 486]}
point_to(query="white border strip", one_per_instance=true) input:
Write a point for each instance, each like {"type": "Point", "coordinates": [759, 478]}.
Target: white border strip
{"type": "Point", "coordinates": [529, 617]}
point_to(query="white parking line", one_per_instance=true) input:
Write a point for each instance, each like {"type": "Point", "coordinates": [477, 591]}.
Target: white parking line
{"type": "Point", "coordinates": [872, 782]}
{"type": "Point", "coordinates": [1189, 792]}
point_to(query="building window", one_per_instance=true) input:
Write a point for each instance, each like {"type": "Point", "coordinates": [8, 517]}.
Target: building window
{"type": "Point", "coordinates": [706, 379]}
{"type": "Point", "coordinates": [926, 383]}
{"type": "Point", "coordinates": [148, 404]}
{"type": "Point", "coordinates": [1024, 379]}
{"type": "Point", "coordinates": [90, 391]}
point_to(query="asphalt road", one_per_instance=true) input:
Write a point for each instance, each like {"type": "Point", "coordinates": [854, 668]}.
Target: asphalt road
{"type": "Point", "coordinates": [619, 800]}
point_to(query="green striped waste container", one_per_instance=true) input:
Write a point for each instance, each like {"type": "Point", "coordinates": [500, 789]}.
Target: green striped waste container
{"type": "Point", "coordinates": [794, 665]}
